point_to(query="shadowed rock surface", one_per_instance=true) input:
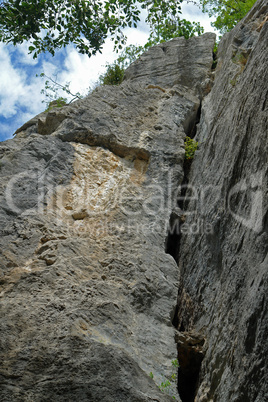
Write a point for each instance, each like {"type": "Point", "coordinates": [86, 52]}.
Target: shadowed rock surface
{"type": "Point", "coordinates": [224, 266]}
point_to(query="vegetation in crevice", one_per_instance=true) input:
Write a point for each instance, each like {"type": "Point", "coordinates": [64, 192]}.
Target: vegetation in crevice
{"type": "Point", "coordinates": [215, 56]}
{"type": "Point", "coordinates": [240, 59]}
{"type": "Point", "coordinates": [190, 147]}
{"type": "Point", "coordinates": [167, 384]}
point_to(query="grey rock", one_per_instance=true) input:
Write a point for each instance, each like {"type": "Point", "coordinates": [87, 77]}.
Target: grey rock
{"type": "Point", "coordinates": [177, 62]}
{"type": "Point", "coordinates": [88, 293]}
{"type": "Point", "coordinates": [224, 263]}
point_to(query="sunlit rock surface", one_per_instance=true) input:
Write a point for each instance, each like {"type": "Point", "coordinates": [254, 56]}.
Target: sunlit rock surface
{"type": "Point", "coordinates": [88, 292]}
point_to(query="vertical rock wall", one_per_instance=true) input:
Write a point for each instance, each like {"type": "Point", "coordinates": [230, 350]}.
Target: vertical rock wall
{"type": "Point", "coordinates": [88, 293]}
{"type": "Point", "coordinates": [223, 256]}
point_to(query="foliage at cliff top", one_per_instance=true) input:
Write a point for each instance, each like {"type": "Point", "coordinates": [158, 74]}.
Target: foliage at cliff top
{"type": "Point", "coordinates": [52, 24]}
{"type": "Point", "coordinates": [227, 12]}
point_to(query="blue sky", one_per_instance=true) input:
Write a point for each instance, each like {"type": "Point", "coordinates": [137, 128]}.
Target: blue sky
{"type": "Point", "coordinates": [20, 97]}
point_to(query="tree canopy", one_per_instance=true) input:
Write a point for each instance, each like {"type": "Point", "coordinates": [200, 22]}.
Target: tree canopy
{"type": "Point", "coordinates": [170, 28]}
{"type": "Point", "coordinates": [227, 12]}
{"type": "Point", "coordinates": [52, 24]}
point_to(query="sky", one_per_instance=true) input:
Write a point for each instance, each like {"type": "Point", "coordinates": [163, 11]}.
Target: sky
{"type": "Point", "coordinates": [20, 89]}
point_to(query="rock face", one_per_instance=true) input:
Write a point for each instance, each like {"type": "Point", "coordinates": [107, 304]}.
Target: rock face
{"type": "Point", "coordinates": [99, 292]}
{"type": "Point", "coordinates": [178, 61]}
{"type": "Point", "coordinates": [223, 255]}
{"type": "Point", "coordinates": [88, 293]}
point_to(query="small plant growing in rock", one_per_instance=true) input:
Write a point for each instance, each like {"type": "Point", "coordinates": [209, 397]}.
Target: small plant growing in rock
{"type": "Point", "coordinates": [233, 82]}
{"type": "Point", "coordinates": [113, 75]}
{"type": "Point", "coordinates": [190, 148]}
{"type": "Point", "coordinates": [240, 59]}
{"type": "Point", "coordinates": [51, 92]}
{"type": "Point", "coordinates": [175, 363]}
{"type": "Point", "coordinates": [164, 385]}
{"type": "Point", "coordinates": [167, 383]}
{"type": "Point", "coordinates": [56, 103]}
{"type": "Point", "coordinates": [215, 59]}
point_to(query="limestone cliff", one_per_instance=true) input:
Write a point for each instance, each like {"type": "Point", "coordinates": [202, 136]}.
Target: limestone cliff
{"type": "Point", "coordinates": [88, 292]}
{"type": "Point", "coordinates": [224, 242]}
{"type": "Point", "coordinates": [98, 292]}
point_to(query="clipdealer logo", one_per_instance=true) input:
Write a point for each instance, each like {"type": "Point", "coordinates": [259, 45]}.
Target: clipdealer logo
{"type": "Point", "coordinates": [244, 201]}
{"type": "Point", "coordinates": [251, 192]}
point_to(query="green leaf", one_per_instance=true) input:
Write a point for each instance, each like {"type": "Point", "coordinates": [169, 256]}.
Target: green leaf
{"type": "Point", "coordinates": [86, 24]}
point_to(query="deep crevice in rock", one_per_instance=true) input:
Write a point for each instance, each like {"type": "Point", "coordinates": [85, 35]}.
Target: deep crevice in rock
{"type": "Point", "coordinates": [172, 243]}
{"type": "Point", "coordinates": [173, 239]}
{"type": "Point", "coordinates": [189, 345]}
{"type": "Point", "coordinates": [192, 131]}
{"type": "Point", "coordinates": [190, 357]}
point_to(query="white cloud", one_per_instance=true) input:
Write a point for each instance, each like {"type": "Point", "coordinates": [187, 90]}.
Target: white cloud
{"type": "Point", "coordinates": [17, 90]}
{"type": "Point", "coordinates": [83, 71]}
{"type": "Point", "coordinates": [193, 13]}
{"type": "Point", "coordinates": [20, 97]}
{"type": "Point", "coordinates": [11, 84]}
{"type": "Point", "coordinates": [24, 56]}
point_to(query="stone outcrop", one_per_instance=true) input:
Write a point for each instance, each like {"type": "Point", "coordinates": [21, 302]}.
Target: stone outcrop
{"type": "Point", "coordinates": [88, 293]}
{"type": "Point", "coordinates": [99, 292]}
{"type": "Point", "coordinates": [179, 61]}
{"type": "Point", "coordinates": [223, 260]}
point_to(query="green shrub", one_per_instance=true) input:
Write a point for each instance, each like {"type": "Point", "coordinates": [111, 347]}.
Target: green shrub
{"type": "Point", "coordinates": [190, 147]}
{"type": "Point", "coordinates": [56, 103]}
{"type": "Point", "coordinates": [113, 76]}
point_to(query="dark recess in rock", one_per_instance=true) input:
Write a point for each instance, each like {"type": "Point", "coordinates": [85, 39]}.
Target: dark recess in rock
{"type": "Point", "coordinates": [190, 357]}
{"type": "Point", "coordinates": [172, 242]}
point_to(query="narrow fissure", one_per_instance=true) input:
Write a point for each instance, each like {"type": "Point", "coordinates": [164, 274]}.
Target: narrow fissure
{"type": "Point", "coordinates": [173, 239]}
{"type": "Point", "coordinates": [190, 357]}
{"type": "Point", "coordinates": [192, 132]}
{"type": "Point", "coordinates": [189, 345]}
{"type": "Point", "coordinates": [172, 244]}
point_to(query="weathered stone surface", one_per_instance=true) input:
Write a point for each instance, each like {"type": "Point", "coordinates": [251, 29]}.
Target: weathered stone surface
{"type": "Point", "coordinates": [87, 291]}
{"type": "Point", "coordinates": [224, 265]}
{"type": "Point", "coordinates": [179, 61]}
{"type": "Point", "coordinates": [87, 192]}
